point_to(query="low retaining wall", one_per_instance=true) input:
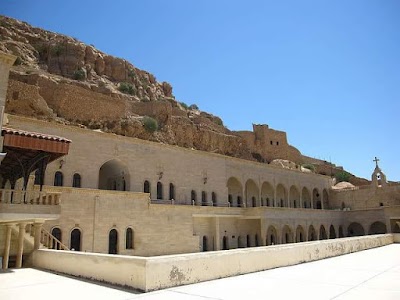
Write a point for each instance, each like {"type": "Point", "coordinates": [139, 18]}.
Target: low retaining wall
{"type": "Point", "coordinates": [153, 273]}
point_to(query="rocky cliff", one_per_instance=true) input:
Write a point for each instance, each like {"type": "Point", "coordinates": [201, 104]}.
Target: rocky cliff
{"type": "Point", "coordinates": [60, 79]}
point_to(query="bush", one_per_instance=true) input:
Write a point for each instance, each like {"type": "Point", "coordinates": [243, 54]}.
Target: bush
{"type": "Point", "coordinates": [193, 106]}
{"type": "Point", "coordinates": [184, 105]}
{"type": "Point", "coordinates": [218, 121]}
{"type": "Point", "coordinates": [309, 166]}
{"type": "Point", "coordinates": [57, 50]}
{"type": "Point", "coordinates": [79, 74]}
{"type": "Point", "coordinates": [150, 124]}
{"type": "Point", "coordinates": [342, 176]}
{"type": "Point", "coordinates": [127, 88]}
{"type": "Point", "coordinates": [131, 73]}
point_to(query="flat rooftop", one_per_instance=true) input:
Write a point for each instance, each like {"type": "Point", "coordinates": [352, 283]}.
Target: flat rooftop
{"type": "Point", "coordinates": [369, 274]}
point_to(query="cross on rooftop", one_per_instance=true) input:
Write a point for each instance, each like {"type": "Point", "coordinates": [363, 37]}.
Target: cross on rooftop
{"type": "Point", "coordinates": [376, 161]}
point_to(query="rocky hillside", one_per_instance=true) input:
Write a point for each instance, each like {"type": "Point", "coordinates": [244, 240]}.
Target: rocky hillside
{"type": "Point", "coordinates": [60, 79]}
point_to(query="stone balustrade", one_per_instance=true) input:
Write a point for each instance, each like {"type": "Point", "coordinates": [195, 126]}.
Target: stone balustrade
{"type": "Point", "coordinates": [9, 196]}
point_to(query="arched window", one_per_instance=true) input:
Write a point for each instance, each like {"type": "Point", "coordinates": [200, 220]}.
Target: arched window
{"type": "Point", "coordinates": [76, 240]}
{"type": "Point", "coordinates": [171, 191]}
{"type": "Point", "coordinates": [146, 187]}
{"type": "Point", "coordinates": [76, 180]}
{"type": "Point", "coordinates": [203, 198]}
{"type": "Point", "coordinates": [159, 190]}
{"type": "Point", "coordinates": [113, 242]}
{"type": "Point", "coordinates": [129, 238]}
{"type": "Point", "coordinates": [56, 232]}
{"type": "Point", "coordinates": [58, 179]}
{"type": "Point", "coordinates": [193, 196]}
{"type": "Point", "coordinates": [214, 198]}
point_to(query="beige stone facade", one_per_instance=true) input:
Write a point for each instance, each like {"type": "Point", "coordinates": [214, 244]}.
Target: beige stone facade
{"type": "Point", "coordinates": [197, 201]}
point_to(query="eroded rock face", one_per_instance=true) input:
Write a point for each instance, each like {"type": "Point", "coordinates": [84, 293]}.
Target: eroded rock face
{"type": "Point", "coordinates": [59, 78]}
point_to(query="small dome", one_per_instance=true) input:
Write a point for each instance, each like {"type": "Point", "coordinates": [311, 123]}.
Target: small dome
{"type": "Point", "coordinates": [343, 185]}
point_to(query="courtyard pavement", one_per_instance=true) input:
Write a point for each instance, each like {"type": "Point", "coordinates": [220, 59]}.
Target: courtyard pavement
{"type": "Point", "coordinates": [370, 274]}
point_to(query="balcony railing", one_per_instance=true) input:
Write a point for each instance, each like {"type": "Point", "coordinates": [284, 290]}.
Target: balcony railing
{"type": "Point", "coordinates": [9, 196]}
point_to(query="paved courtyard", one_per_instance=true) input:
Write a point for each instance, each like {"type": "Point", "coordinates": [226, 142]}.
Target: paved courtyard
{"type": "Point", "coordinates": [370, 274]}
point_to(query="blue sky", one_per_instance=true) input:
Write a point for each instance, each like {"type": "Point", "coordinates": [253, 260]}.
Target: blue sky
{"type": "Point", "coordinates": [326, 72]}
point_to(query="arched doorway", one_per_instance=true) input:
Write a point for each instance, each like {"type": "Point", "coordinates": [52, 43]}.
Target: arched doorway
{"type": "Point", "coordinates": [281, 196]}
{"type": "Point", "coordinates": [287, 235]}
{"type": "Point", "coordinates": [312, 234]}
{"type": "Point", "coordinates": [306, 197]}
{"type": "Point", "coordinates": [272, 236]}
{"type": "Point", "coordinates": [294, 197]}
{"type": "Point", "coordinates": [114, 175]}
{"type": "Point", "coordinates": [56, 232]}
{"type": "Point", "coordinates": [146, 186]}
{"type": "Point", "coordinates": [225, 245]}
{"type": "Point", "coordinates": [75, 241]}
{"type": "Point", "coordinates": [322, 233]}
{"type": "Point", "coordinates": [113, 241]}
{"type": "Point", "coordinates": [300, 236]}
{"type": "Point", "coordinates": [267, 193]}
{"type": "Point", "coordinates": [332, 232]}
{"type": "Point", "coordinates": [317, 204]}
{"type": "Point", "coordinates": [205, 246]}
{"type": "Point", "coordinates": [377, 228]}
{"type": "Point", "coordinates": [355, 229]}
{"type": "Point", "coordinates": [235, 191]}
{"type": "Point", "coordinates": [252, 193]}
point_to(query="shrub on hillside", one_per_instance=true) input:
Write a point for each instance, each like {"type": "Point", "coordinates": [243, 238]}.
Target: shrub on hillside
{"type": "Point", "coordinates": [126, 87]}
{"type": "Point", "coordinates": [79, 74]}
{"type": "Point", "coordinates": [342, 176]}
{"type": "Point", "coordinates": [150, 124]}
{"type": "Point", "coordinates": [309, 166]}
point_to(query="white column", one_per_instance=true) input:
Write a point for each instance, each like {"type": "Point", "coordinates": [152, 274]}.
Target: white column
{"type": "Point", "coordinates": [7, 244]}
{"type": "Point", "coordinates": [37, 230]}
{"type": "Point", "coordinates": [217, 235]}
{"type": "Point", "coordinates": [20, 250]}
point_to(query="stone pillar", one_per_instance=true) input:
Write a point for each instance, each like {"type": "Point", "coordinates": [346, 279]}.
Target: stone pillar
{"type": "Point", "coordinates": [288, 198]}
{"type": "Point", "coordinates": [275, 197]}
{"type": "Point", "coordinates": [7, 244]}
{"type": "Point", "coordinates": [37, 227]}
{"type": "Point", "coordinates": [217, 235]}
{"type": "Point", "coordinates": [263, 232]}
{"type": "Point", "coordinates": [6, 61]}
{"type": "Point", "coordinates": [301, 204]}
{"type": "Point", "coordinates": [20, 250]}
{"type": "Point", "coordinates": [322, 199]}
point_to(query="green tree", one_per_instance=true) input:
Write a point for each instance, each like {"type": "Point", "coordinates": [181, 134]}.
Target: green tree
{"type": "Point", "coordinates": [342, 176]}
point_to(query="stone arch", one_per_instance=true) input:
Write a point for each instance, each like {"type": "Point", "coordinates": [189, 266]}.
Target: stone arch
{"type": "Point", "coordinates": [113, 241]}
{"type": "Point", "coordinates": [252, 193]}
{"type": "Point", "coordinates": [272, 236]}
{"type": "Point", "coordinates": [355, 229]}
{"type": "Point", "coordinates": [129, 238]}
{"type": "Point", "coordinates": [312, 234]}
{"type": "Point", "coordinates": [58, 178]}
{"type": "Point", "coordinates": [316, 198]}
{"type": "Point", "coordinates": [306, 197]}
{"type": "Point", "coordinates": [377, 228]}
{"type": "Point", "coordinates": [322, 233]}
{"type": "Point", "coordinates": [160, 191]}
{"type": "Point", "coordinates": [332, 232]}
{"type": "Point", "coordinates": [114, 175]}
{"type": "Point", "coordinates": [76, 180]}
{"type": "Point", "coordinates": [56, 232]}
{"type": "Point", "coordinates": [287, 235]}
{"type": "Point", "coordinates": [146, 187]}
{"type": "Point", "coordinates": [281, 195]}
{"type": "Point", "coordinates": [300, 235]}
{"type": "Point", "coordinates": [267, 193]}
{"type": "Point", "coordinates": [294, 197]}
{"type": "Point", "coordinates": [325, 197]}
{"type": "Point", "coordinates": [235, 191]}
{"type": "Point", "coordinates": [341, 234]}
{"type": "Point", "coordinates": [75, 239]}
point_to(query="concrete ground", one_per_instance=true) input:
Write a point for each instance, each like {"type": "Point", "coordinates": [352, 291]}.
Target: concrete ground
{"type": "Point", "coordinates": [370, 274]}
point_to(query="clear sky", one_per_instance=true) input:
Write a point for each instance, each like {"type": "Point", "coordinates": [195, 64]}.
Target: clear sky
{"type": "Point", "coordinates": [326, 72]}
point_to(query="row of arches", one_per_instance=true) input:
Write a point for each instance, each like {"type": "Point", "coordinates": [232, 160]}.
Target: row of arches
{"type": "Point", "coordinates": [278, 196]}
{"type": "Point", "coordinates": [288, 235]}
{"type": "Point", "coordinates": [59, 179]}
{"type": "Point", "coordinates": [75, 239]}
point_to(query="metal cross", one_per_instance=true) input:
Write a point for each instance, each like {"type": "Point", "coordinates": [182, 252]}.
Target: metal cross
{"type": "Point", "coordinates": [376, 161]}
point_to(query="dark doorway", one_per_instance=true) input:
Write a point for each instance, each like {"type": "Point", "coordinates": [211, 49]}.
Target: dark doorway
{"type": "Point", "coordinates": [113, 242]}
{"type": "Point", "coordinates": [76, 239]}
{"type": "Point", "coordinates": [56, 232]}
